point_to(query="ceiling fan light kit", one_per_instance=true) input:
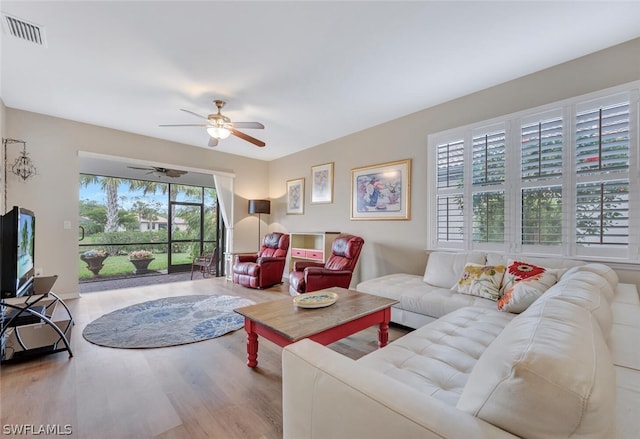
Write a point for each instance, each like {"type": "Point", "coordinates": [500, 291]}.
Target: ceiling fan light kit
{"type": "Point", "coordinates": [220, 127]}
{"type": "Point", "coordinates": [219, 132]}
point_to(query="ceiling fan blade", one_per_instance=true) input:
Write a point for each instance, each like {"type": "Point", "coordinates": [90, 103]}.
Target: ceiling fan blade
{"type": "Point", "coordinates": [247, 137]}
{"type": "Point", "coordinates": [253, 125]}
{"type": "Point", "coordinates": [195, 114]}
{"type": "Point", "coordinates": [213, 142]}
{"type": "Point", "coordinates": [184, 125]}
{"type": "Point", "coordinates": [142, 169]}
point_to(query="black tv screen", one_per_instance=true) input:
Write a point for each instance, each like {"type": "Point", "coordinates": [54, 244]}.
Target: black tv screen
{"type": "Point", "coordinates": [18, 252]}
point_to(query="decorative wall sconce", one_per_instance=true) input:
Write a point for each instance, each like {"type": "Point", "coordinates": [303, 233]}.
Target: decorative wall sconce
{"type": "Point", "coordinates": [23, 166]}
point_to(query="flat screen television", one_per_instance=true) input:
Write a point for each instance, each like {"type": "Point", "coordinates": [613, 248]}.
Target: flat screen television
{"type": "Point", "coordinates": [18, 228]}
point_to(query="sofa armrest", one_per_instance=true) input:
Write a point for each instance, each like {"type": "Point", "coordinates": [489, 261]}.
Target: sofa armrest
{"type": "Point", "coordinates": [326, 395]}
{"type": "Point", "coordinates": [270, 259]}
{"type": "Point", "coordinates": [301, 265]}
{"type": "Point", "coordinates": [246, 258]}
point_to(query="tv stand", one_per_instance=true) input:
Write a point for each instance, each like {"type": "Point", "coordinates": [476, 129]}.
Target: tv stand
{"type": "Point", "coordinates": [36, 324]}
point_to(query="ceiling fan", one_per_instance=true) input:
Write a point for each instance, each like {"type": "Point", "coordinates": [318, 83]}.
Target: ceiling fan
{"type": "Point", "coordinates": [173, 173]}
{"type": "Point", "coordinates": [220, 126]}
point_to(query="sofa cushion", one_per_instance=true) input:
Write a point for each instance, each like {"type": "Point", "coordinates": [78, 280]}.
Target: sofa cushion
{"type": "Point", "coordinates": [417, 296]}
{"type": "Point", "coordinates": [589, 290]}
{"type": "Point", "coordinates": [444, 269]}
{"type": "Point", "coordinates": [481, 280]}
{"type": "Point", "coordinates": [438, 358]}
{"type": "Point", "coordinates": [549, 374]}
{"type": "Point", "coordinates": [605, 271]}
{"type": "Point", "coordinates": [555, 263]}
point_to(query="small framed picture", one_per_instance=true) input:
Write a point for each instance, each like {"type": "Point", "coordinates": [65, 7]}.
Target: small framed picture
{"type": "Point", "coordinates": [322, 183]}
{"type": "Point", "coordinates": [381, 192]}
{"type": "Point", "coordinates": [295, 196]}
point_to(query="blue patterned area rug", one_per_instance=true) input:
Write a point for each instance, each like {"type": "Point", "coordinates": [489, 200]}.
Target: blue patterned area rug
{"type": "Point", "coordinates": [167, 322]}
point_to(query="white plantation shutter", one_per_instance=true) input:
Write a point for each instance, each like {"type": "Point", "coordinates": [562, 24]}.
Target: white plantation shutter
{"type": "Point", "coordinates": [602, 136]}
{"type": "Point", "coordinates": [541, 149]}
{"type": "Point", "coordinates": [450, 218]}
{"type": "Point", "coordinates": [450, 183]}
{"type": "Point", "coordinates": [488, 175]}
{"type": "Point", "coordinates": [451, 165]}
{"type": "Point", "coordinates": [602, 140]}
{"type": "Point", "coordinates": [559, 180]}
{"type": "Point", "coordinates": [541, 164]}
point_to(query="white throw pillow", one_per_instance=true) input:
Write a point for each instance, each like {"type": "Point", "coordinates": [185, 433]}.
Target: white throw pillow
{"type": "Point", "coordinates": [444, 268]}
{"type": "Point", "coordinates": [523, 284]}
{"type": "Point", "coordinates": [481, 280]}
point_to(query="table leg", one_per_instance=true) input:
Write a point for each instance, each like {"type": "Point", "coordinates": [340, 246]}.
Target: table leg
{"type": "Point", "coordinates": [252, 344]}
{"type": "Point", "coordinates": [383, 329]}
{"type": "Point", "coordinates": [383, 334]}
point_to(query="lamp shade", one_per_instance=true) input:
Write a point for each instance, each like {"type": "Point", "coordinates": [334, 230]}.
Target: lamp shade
{"type": "Point", "coordinates": [260, 206]}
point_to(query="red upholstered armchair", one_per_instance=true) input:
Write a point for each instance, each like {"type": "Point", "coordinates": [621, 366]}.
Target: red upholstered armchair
{"type": "Point", "coordinates": [310, 276]}
{"type": "Point", "coordinates": [265, 268]}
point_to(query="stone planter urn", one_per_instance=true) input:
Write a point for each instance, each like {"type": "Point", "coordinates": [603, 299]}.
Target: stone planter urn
{"type": "Point", "coordinates": [141, 265]}
{"type": "Point", "coordinates": [94, 263]}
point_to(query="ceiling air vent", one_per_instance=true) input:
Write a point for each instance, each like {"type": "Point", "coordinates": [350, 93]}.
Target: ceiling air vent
{"type": "Point", "coordinates": [24, 30]}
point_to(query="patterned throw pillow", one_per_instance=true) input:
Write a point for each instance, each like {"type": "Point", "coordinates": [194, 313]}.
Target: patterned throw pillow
{"type": "Point", "coordinates": [481, 280]}
{"type": "Point", "coordinates": [523, 284]}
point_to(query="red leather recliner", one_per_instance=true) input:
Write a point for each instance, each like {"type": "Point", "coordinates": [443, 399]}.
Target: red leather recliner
{"type": "Point", "coordinates": [310, 276]}
{"type": "Point", "coordinates": [265, 268]}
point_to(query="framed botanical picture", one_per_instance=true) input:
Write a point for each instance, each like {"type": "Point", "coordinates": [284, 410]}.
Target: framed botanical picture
{"type": "Point", "coordinates": [381, 192]}
{"type": "Point", "coordinates": [322, 183]}
{"type": "Point", "coordinates": [295, 196]}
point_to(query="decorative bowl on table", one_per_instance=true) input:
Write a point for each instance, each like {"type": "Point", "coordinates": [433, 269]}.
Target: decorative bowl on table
{"type": "Point", "coordinates": [318, 299]}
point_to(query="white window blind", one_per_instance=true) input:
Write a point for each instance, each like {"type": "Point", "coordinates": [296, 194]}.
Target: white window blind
{"type": "Point", "coordinates": [602, 166]}
{"type": "Point", "coordinates": [541, 159]}
{"type": "Point", "coordinates": [450, 184]}
{"type": "Point", "coordinates": [450, 218]}
{"type": "Point", "coordinates": [541, 149]}
{"type": "Point", "coordinates": [561, 179]}
{"type": "Point", "coordinates": [451, 165]}
{"type": "Point", "coordinates": [488, 174]}
{"type": "Point", "coordinates": [489, 158]}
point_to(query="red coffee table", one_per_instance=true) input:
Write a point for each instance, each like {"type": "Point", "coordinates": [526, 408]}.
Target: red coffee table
{"type": "Point", "coordinates": [283, 323]}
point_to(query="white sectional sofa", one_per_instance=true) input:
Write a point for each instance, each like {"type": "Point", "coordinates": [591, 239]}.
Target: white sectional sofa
{"type": "Point", "coordinates": [566, 367]}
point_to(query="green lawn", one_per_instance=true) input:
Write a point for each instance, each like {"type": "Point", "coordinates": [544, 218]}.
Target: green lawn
{"type": "Point", "coordinates": [120, 265]}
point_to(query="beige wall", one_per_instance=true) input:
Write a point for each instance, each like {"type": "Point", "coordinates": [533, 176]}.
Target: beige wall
{"type": "Point", "coordinates": [393, 246]}
{"type": "Point", "coordinates": [53, 144]}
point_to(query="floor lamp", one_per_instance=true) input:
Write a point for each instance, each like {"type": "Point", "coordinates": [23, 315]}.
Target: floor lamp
{"type": "Point", "coordinates": [259, 207]}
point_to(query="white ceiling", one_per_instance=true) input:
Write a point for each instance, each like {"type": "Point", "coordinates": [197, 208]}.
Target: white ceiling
{"type": "Point", "coordinates": [309, 71]}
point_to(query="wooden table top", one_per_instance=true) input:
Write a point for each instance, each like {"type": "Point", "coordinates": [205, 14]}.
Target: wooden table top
{"type": "Point", "coordinates": [296, 323]}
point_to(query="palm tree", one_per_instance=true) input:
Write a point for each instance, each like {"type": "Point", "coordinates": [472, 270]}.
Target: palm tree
{"type": "Point", "coordinates": [110, 186]}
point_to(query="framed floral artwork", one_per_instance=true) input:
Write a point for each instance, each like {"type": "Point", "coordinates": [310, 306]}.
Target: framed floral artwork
{"type": "Point", "coordinates": [322, 183]}
{"type": "Point", "coordinates": [381, 192]}
{"type": "Point", "coordinates": [295, 196]}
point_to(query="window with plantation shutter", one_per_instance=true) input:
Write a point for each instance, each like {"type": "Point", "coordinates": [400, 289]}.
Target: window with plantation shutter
{"type": "Point", "coordinates": [602, 211]}
{"type": "Point", "coordinates": [488, 173]}
{"type": "Point", "coordinates": [563, 179]}
{"type": "Point", "coordinates": [541, 149]}
{"type": "Point", "coordinates": [450, 183]}
{"type": "Point", "coordinates": [451, 165]}
{"type": "Point", "coordinates": [602, 135]}
{"type": "Point", "coordinates": [541, 163]}
{"type": "Point", "coordinates": [602, 140]}
{"type": "Point", "coordinates": [450, 218]}
{"type": "Point", "coordinates": [488, 159]}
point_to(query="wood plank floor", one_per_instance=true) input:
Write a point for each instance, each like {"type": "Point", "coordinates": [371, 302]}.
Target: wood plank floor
{"type": "Point", "coordinates": [200, 390]}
